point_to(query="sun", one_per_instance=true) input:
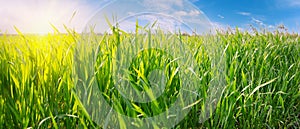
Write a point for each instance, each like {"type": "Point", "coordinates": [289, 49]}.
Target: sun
{"type": "Point", "coordinates": [39, 17]}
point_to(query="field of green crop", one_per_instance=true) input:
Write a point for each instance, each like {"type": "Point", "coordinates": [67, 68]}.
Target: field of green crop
{"type": "Point", "coordinates": [262, 80]}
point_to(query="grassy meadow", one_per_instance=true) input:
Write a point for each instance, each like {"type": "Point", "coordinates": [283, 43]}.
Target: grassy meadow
{"type": "Point", "coordinates": [262, 80]}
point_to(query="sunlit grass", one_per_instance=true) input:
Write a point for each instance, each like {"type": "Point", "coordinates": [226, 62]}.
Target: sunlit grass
{"type": "Point", "coordinates": [262, 80]}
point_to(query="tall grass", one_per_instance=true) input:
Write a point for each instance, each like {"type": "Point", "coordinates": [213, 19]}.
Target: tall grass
{"type": "Point", "coordinates": [262, 74]}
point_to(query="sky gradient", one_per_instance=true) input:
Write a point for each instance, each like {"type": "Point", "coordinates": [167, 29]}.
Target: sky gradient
{"type": "Point", "coordinates": [241, 13]}
{"type": "Point", "coordinates": [37, 16]}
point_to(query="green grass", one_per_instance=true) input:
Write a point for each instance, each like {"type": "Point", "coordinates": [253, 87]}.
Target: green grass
{"type": "Point", "coordinates": [262, 77]}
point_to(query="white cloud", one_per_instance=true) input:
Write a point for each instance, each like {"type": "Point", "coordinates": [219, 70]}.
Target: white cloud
{"type": "Point", "coordinates": [181, 13]}
{"type": "Point", "coordinates": [220, 16]}
{"type": "Point", "coordinates": [271, 27]}
{"type": "Point", "coordinates": [257, 21]}
{"type": "Point", "coordinates": [195, 13]}
{"type": "Point", "coordinates": [184, 13]}
{"type": "Point", "coordinates": [244, 13]}
{"type": "Point", "coordinates": [163, 4]}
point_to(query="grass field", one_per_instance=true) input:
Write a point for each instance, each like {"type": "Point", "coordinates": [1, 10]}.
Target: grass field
{"type": "Point", "coordinates": [262, 80]}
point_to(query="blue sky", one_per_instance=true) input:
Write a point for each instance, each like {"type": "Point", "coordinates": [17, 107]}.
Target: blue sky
{"type": "Point", "coordinates": [241, 13]}
{"type": "Point", "coordinates": [35, 16]}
